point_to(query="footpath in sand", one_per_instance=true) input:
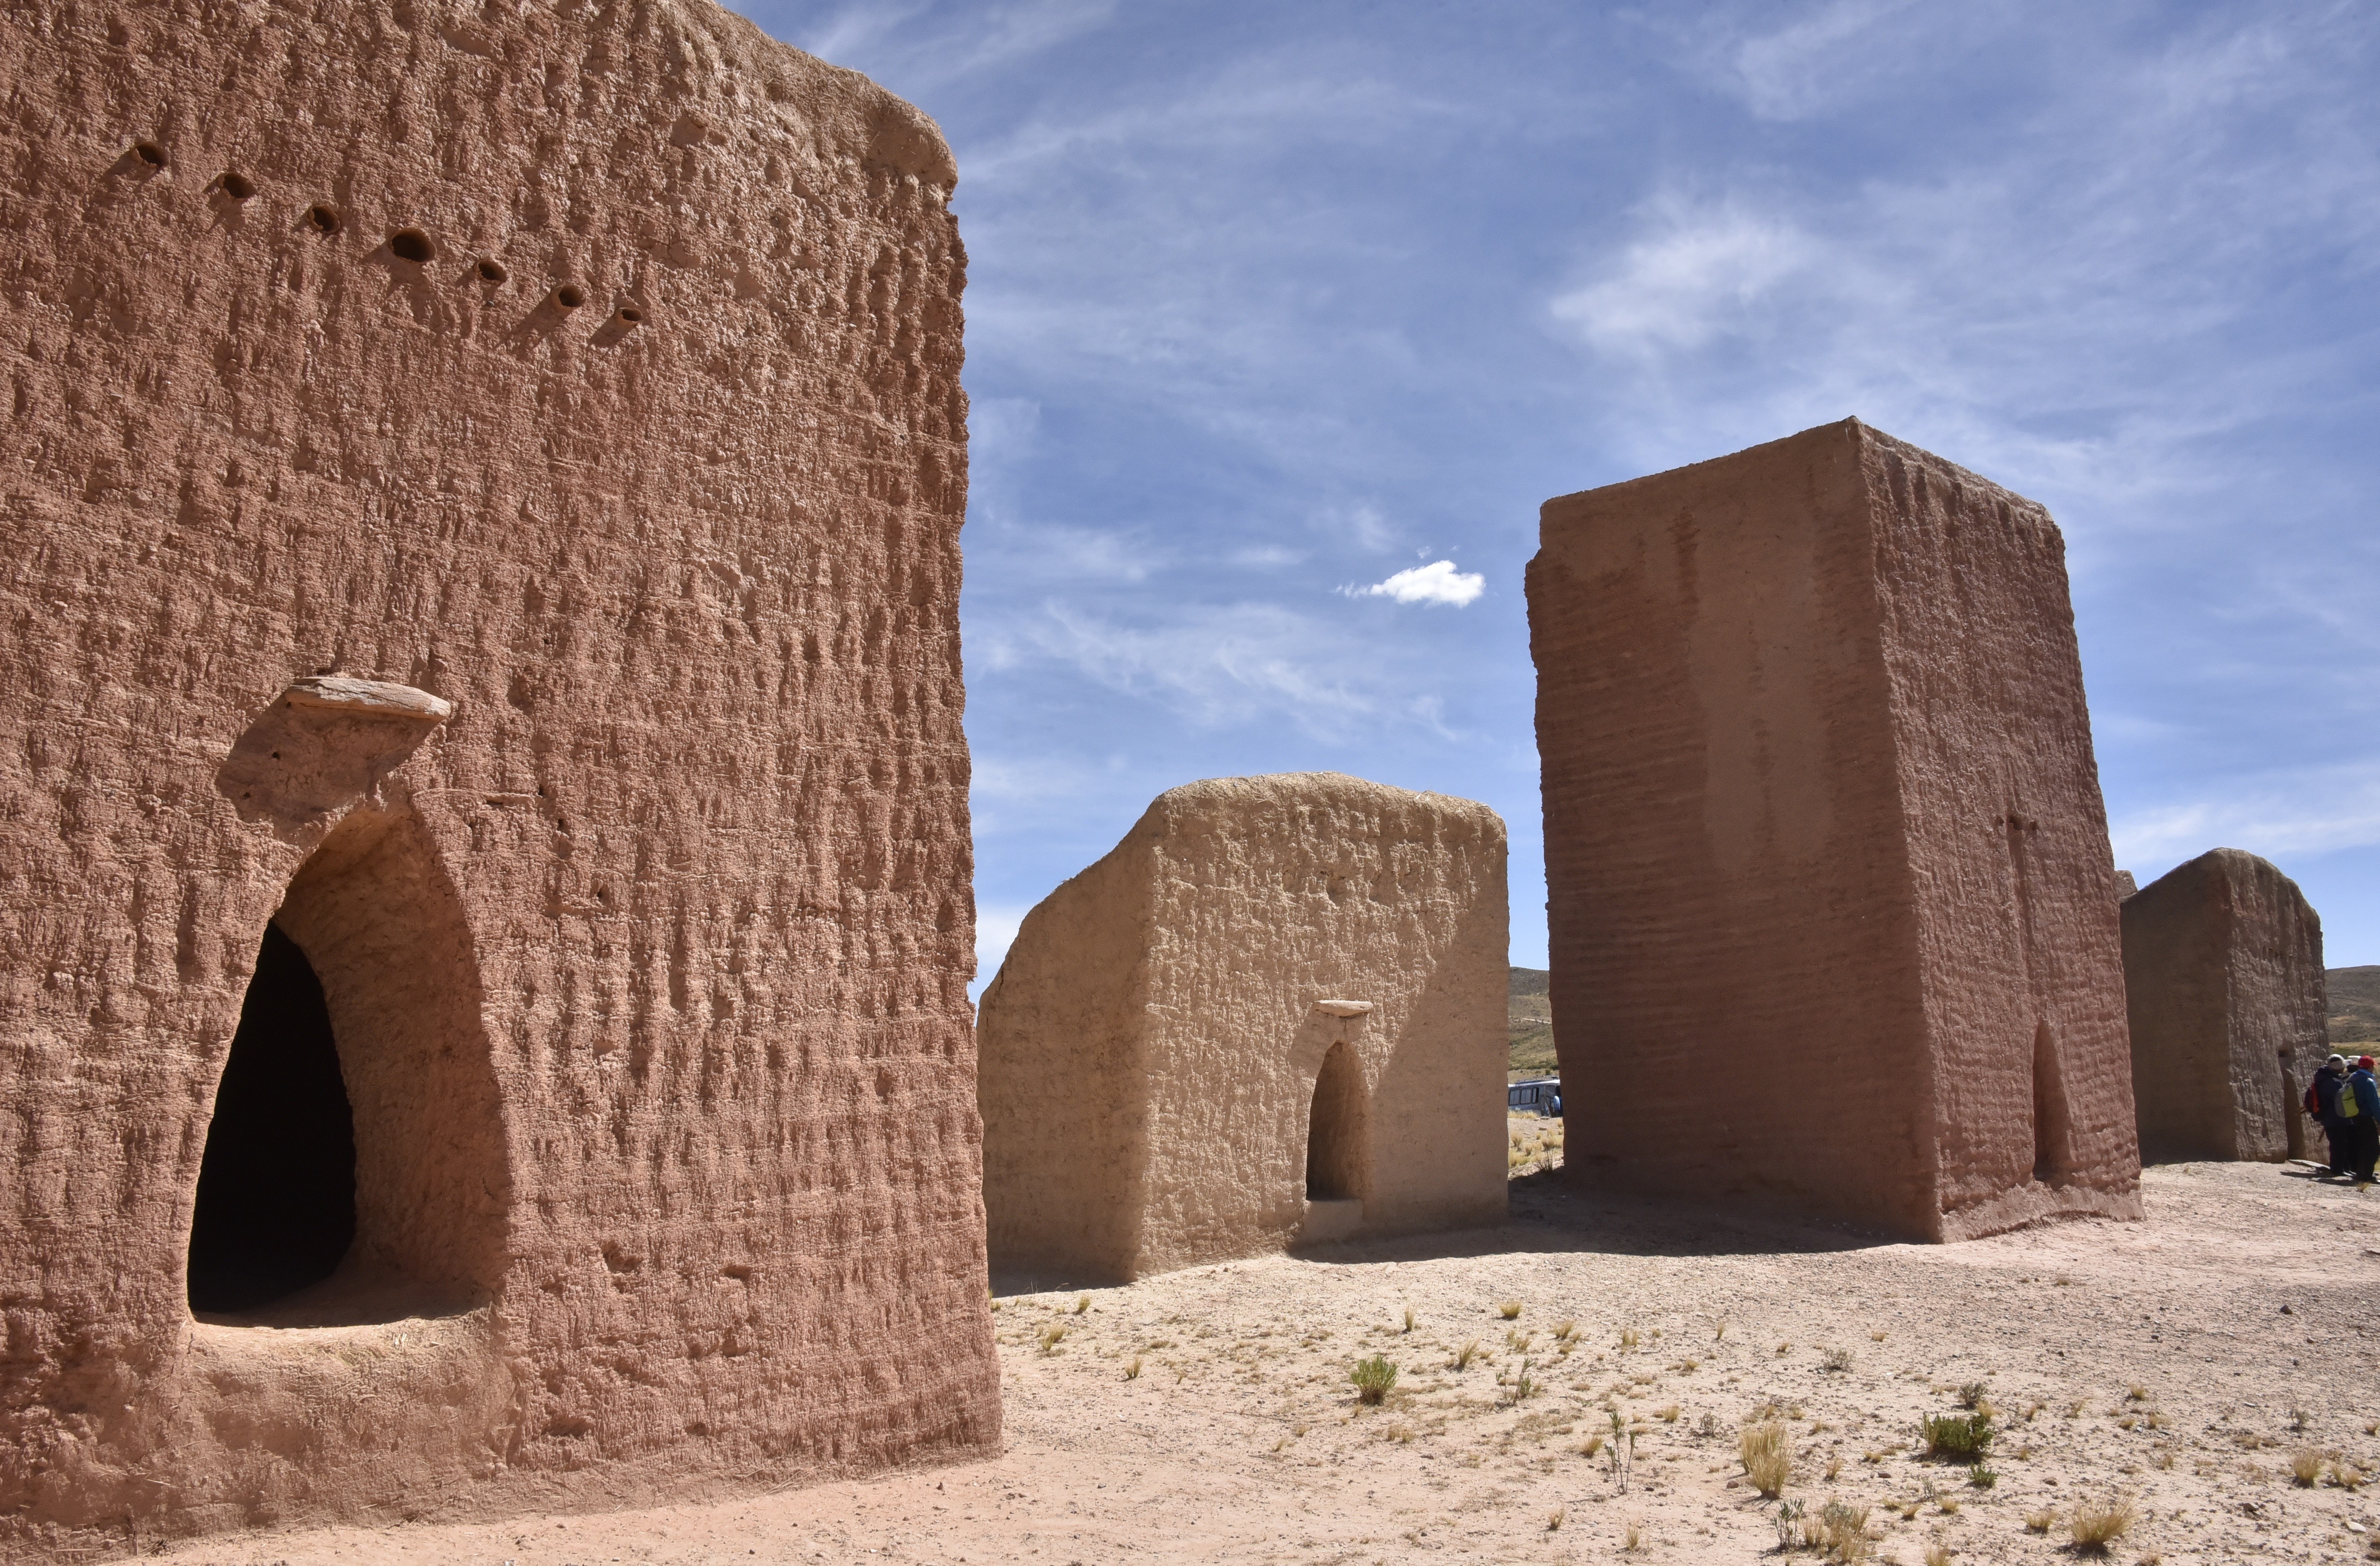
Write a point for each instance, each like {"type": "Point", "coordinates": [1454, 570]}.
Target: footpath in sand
{"type": "Point", "coordinates": [2186, 1367]}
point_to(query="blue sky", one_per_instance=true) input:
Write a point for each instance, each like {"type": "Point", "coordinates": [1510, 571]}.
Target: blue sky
{"type": "Point", "coordinates": [1270, 303]}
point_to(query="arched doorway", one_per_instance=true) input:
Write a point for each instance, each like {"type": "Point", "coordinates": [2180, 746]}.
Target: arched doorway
{"type": "Point", "coordinates": [1337, 1129]}
{"type": "Point", "coordinates": [276, 1204]}
{"type": "Point", "coordinates": [356, 1167]}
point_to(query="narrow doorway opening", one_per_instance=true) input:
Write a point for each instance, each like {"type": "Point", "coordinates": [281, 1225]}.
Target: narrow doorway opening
{"type": "Point", "coordinates": [2049, 1121]}
{"type": "Point", "coordinates": [2293, 1117]}
{"type": "Point", "coordinates": [1335, 1129]}
{"type": "Point", "coordinates": [276, 1201]}
{"type": "Point", "coordinates": [356, 1169]}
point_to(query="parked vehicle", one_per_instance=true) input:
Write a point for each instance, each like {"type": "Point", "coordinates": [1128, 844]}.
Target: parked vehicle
{"type": "Point", "coordinates": [1537, 1096]}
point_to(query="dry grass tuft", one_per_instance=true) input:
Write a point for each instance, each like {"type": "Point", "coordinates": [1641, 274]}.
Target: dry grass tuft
{"type": "Point", "coordinates": [1555, 1519]}
{"type": "Point", "coordinates": [1509, 1310]}
{"type": "Point", "coordinates": [1667, 1416]}
{"type": "Point", "coordinates": [1938, 1555]}
{"type": "Point", "coordinates": [1466, 1354]}
{"type": "Point", "coordinates": [1632, 1539]}
{"type": "Point", "coordinates": [1373, 1378]}
{"type": "Point", "coordinates": [1590, 1446]}
{"type": "Point", "coordinates": [2040, 1521]}
{"type": "Point", "coordinates": [1767, 1454]}
{"type": "Point", "coordinates": [1410, 1319]}
{"type": "Point", "coordinates": [1629, 1338]}
{"type": "Point", "coordinates": [2305, 1466]}
{"type": "Point", "coordinates": [1132, 1368]}
{"type": "Point", "coordinates": [1840, 1530]}
{"type": "Point", "coordinates": [2345, 1475]}
{"type": "Point", "coordinates": [2094, 1528]}
{"type": "Point", "coordinates": [1834, 1466]}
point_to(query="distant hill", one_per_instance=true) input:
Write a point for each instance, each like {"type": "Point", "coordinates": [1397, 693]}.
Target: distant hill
{"type": "Point", "coordinates": [1529, 1016]}
{"type": "Point", "coordinates": [2355, 1005]}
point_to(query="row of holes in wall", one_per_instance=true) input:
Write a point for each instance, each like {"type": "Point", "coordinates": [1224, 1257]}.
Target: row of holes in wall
{"type": "Point", "coordinates": [405, 244]}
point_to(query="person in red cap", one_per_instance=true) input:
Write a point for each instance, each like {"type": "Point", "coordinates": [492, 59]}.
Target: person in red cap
{"type": "Point", "coordinates": [2367, 1121]}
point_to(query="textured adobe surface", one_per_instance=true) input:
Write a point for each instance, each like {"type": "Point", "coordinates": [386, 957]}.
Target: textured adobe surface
{"type": "Point", "coordinates": [1258, 960]}
{"type": "Point", "coordinates": [646, 961]}
{"type": "Point", "coordinates": [1833, 917]}
{"type": "Point", "coordinates": [2224, 980]}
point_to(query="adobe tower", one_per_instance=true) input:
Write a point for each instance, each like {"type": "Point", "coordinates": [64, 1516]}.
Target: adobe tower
{"type": "Point", "coordinates": [483, 1003]}
{"type": "Point", "coordinates": [1832, 911]}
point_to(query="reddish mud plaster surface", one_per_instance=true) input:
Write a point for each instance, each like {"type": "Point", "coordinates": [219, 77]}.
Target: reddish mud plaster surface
{"type": "Point", "coordinates": [2224, 981]}
{"type": "Point", "coordinates": [649, 963]}
{"type": "Point", "coordinates": [1263, 969]}
{"type": "Point", "coordinates": [1833, 918]}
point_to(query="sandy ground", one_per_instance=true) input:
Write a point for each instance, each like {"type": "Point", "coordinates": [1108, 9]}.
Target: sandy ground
{"type": "Point", "coordinates": [2181, 1363]}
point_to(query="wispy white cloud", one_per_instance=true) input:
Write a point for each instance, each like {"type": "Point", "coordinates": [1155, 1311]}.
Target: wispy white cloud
{"type": "Point", "coordinates": [1699, 272]}
{"type": "Point", "coordinates": [1438, 583]}
{"type": "Point", "coordinates": [2313, 811]}
{"type": "Point", "coordinates": [1228, 665]}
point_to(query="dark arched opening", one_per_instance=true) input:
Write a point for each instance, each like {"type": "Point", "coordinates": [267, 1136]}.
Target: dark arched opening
{"type": "Point", "coordinates": [276, 1199]}
{"type": "Point", "coordinates": [1335, 1127]}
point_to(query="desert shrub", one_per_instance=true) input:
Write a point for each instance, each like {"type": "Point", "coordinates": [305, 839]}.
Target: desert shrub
{"type": "Point", "coordinates": [1836, 1360]}
{"type": "Point", "coordinates": [1707, 1427]}
{"type": "Point", "coordinates": [1788, 1519]}
{"type": "Point", "coordinates": [1841, 1531]}
{"type": "Point", "coordinates": [1767, 1454]}
{"type": "Point", "coordinates": [1956, 1438]}
{"type": "Point", "coordinates": [1373, 1378]}
{"type": "Point", "coordinates": [1972, 1395]}
{"type": "Point", "coordinates": [2094, 1528]}
{"type": "Point", "coordinates": [1982, 1477]}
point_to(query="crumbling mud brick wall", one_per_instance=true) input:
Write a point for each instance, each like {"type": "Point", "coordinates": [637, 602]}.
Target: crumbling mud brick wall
{"type": "Point", "coordinates": [578, 386]}
{"type": "Point", "coordinates": [1833, 916]}
{"type": "Point", "coordinates": [2224, 980]}
{"type": "Point", "coordinates": [1274, 1012]}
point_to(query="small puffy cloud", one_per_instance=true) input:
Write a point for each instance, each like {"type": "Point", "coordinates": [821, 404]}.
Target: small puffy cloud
{"type": "Point", "coordinates": [1438, 582]}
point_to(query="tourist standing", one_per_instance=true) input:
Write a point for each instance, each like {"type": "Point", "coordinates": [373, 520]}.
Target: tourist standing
{"type": "Point", "coordinates": [2322, 1100]}
{"type": "Point", "coordinates": [2367, 1117]}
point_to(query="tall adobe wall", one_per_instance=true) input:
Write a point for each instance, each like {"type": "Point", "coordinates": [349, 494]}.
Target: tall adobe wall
{"type": "Point", "coordinates": [1832, 913]}
{"type": "Point", "coordinates": [595, 372]}
{"type": "Point", "coordinates": [1273, 1013]}
{"type": "Point", "coordinates": [2224, 981]}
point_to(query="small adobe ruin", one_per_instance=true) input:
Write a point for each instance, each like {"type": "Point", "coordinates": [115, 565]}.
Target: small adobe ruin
{"type": "Point", "coordinates": [2224, 983]}
{"type": "Point", "coordinates": [1273, 1013]}
{"type": "Point", "coordinates": [1833, 920]}
{"type": "Point", "coordinates": [482, 792]}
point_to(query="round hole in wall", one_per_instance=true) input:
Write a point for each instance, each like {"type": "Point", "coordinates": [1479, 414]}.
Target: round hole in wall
{"type": "Point", "coordinates": [630, 314]}
{"type": "Point", "coordinates": [150, 153]}
{"type": "Point", "coordinates": [410, 244]}
{"type": "Point", "coordinates": [239, 187]}
{"type": "Point", "coordinates": [569, 297]}
{"type": "Point", "coordinates": [322, 219]}
{"type": "Point", "coordinates": [492, 272]}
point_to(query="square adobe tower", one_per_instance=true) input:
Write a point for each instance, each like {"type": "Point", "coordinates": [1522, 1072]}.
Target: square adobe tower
{"type": "Point", "coordinates": [1832, 910]}
{"type": "Point", "coordinates": [1275, 1012]}
{"type": "Point", "coordinates": [2224, 980]}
